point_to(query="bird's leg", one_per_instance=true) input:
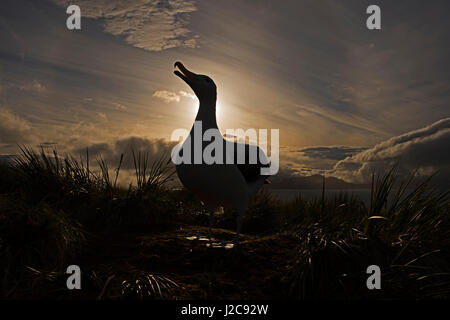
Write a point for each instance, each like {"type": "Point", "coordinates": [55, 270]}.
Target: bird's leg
{"type": "Point", "coordinates": [211, 221]}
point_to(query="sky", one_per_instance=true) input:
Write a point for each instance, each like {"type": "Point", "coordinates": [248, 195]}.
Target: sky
{"type": "Point", "coordinates": [347, 100]}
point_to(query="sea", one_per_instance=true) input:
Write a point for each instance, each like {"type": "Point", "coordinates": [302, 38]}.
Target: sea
{"type": "Point", "coordinates": [310, 194]}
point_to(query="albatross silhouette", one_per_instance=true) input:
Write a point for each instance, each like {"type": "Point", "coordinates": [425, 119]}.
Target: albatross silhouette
{"type": "Point", "coordinates": [226, 184]}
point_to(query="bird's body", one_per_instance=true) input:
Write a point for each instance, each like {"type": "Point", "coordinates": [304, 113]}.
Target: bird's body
{"type": "Point", "coordinates": [222, 184]}
{"type": "Point", "coordinates": [227, 182]}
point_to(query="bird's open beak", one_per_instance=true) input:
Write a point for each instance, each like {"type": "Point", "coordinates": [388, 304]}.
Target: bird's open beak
{"type": "Point", "coordinates": [184, 73]}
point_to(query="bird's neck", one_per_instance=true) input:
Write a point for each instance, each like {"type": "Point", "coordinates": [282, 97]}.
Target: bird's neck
{"type": "Point", "coordinates": [207, 114]}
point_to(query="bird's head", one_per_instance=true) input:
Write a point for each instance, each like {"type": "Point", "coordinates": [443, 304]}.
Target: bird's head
{"type": "Point", "coordinates": [203, 86]}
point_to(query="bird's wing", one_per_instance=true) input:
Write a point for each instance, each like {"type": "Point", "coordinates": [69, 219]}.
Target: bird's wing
{"type": "Point", "coordinates": [249, 159]}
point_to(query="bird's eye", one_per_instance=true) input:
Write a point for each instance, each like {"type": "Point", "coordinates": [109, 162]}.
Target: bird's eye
{"type": "Point", "coordinates": [208, 80]}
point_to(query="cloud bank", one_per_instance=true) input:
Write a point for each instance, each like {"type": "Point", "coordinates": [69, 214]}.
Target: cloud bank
{"type": "Point", "coordinates": [426, 150]}
{"type": "Point", "coordinates": [152, 25]}
{"type": "Point", "coordinates": [314, 160]}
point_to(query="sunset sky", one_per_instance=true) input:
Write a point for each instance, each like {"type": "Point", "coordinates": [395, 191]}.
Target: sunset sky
{"type": "Point", "coordinates": [347, 100]}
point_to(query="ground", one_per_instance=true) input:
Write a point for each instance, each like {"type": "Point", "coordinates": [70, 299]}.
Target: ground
{"type": "Point", "coordinates": [252, 270]}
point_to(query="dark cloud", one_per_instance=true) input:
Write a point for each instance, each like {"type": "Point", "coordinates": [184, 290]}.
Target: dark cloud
{"type": "Point", "coordinates": [332, 153]}
{"type": "Point", "coordinates": [315, 160]}
{"type": "Point", "coordinates": [155, 149]}
{"type": "Point", "coordinates": [110, 152]}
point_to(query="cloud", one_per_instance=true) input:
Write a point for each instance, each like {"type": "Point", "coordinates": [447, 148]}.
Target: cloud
{"type": "Point", "coordinates": [112, 150]}
{"type": "Point", "coordinates": [153, 25]}
{"type": "Point", "coordinates": [169, 96]}
{"type": "Point", "coordinates": [187, 94]}
{"type": "Point", "coordinates": [34, 86]}
{"type": "Point", "coordinates": [13, 129]}
{"type": "Point", "coordinates": [166, 96]}
{"type": "Point", "coordinates": [426, 150]}
{"type": "Point", "coordinates": [314, 160]}
{"type": "Point", "coordinates": [102, 116]}
{"type": "Point", "coordinates": [332, 153]}
{"type": "Point", "coordinates": [120, 107]}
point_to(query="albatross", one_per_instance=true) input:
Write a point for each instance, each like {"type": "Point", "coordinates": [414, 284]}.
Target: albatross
{"type": "Point", "coordinates": [223, 183]}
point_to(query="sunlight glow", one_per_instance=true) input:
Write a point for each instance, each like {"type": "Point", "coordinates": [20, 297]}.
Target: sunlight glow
{"type": "Point", "coordinates": [192, 108]}
{"type": "Point", "coordinates": [220, 112]}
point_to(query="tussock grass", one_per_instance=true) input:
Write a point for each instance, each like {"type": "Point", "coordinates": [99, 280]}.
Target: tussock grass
{"type": "Point", "coordinates": [404, 231]}
{"type": "Point", "coordinates": [49, 203]}
{"type": "Point", "coordinates": [33, 237]}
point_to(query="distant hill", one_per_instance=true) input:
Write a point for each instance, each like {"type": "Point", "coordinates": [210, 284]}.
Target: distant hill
{"type": "Point", "coordinates": [312, 182]}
